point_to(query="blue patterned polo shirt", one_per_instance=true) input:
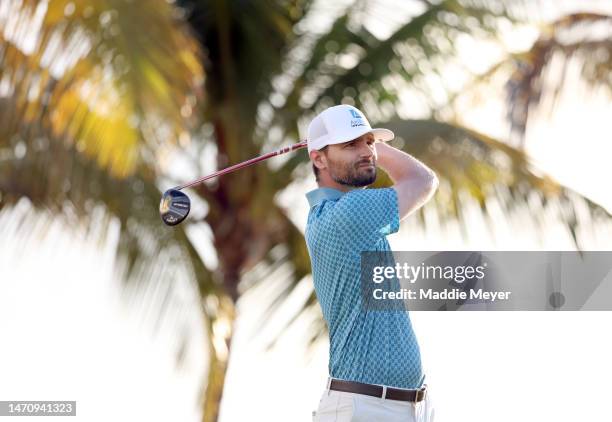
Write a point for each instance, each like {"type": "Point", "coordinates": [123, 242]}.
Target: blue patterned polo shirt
{"type": "Point", "coordinates": [369, 346]}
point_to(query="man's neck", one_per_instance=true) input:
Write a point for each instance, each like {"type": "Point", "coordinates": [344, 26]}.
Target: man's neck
{"type": "Point", "coordinates": [336, 186]}
{"type": "Point", "coordinates": [328, 183]}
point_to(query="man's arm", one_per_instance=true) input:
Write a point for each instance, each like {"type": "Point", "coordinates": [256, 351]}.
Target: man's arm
{"type": "Point", "coordinates": [414, 182]}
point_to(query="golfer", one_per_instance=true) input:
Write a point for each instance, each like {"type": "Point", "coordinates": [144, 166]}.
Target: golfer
{"type": "Point", "coordinates": [375, 372]}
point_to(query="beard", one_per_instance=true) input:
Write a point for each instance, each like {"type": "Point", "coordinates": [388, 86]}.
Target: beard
{"type": "Point", "coordinates": [351, 174]}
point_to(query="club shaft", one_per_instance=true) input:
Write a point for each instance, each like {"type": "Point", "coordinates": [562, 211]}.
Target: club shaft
{"type": "Point", "coordinates": [243, 164]}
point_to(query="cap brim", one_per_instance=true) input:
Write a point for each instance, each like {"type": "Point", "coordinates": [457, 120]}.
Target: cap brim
{"type": "Point", "coordinates": [383, 135]}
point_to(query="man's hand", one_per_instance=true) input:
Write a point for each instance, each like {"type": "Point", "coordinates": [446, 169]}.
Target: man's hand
{"type": "Point", "coordinates": [414, 182]}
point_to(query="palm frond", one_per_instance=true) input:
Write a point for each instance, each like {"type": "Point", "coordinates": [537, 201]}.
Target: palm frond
{"type": "Point", "coordinates": [92, 80]}
{"type": "Point", "coordinates": [351, 65]}
{"type": "Point", "coordinates": [583, 38]}
{"type": "Point", "coordinates": [144, 243]}
{"type": "Point", "coordinates": [471, 162]}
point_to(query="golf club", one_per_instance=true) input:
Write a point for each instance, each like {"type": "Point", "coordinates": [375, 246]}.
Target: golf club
{"type": "Point", "coordinates": [175, 205]}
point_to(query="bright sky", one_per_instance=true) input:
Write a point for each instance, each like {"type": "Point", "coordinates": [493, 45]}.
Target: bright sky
{"type": "Point", "coordinates": [68, 334]}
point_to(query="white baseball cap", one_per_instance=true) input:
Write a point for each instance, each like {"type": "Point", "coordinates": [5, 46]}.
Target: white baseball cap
{"type": "Point", "coordinates": [339, 124]}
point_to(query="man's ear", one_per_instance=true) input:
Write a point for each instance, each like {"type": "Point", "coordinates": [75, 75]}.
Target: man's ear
{"type": "Point", "coordinates": [319, 159]}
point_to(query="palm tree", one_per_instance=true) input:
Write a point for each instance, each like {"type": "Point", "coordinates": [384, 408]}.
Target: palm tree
{"type": "Point", "coordinates": [92, 102]}
{"type": "Point", "coordinates": [91, 93]}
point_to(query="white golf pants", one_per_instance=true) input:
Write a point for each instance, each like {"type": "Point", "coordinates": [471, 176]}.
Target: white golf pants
{"type": "Point", "coordinates": [337, 406]}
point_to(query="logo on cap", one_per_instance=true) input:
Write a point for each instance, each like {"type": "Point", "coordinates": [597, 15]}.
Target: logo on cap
{"type": "Point", "coordinates": [357, 116]}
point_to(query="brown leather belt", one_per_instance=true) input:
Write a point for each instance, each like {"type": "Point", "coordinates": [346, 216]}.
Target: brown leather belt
{"type": "Point", "coordinates": [377, 390]}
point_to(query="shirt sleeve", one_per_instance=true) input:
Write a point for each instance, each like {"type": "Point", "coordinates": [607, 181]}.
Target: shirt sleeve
{"type": "Point", "coordinates": [365, 215]}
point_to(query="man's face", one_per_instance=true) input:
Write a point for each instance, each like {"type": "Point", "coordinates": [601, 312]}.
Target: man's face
{"type": "Point", "coordinates": [353, 163]}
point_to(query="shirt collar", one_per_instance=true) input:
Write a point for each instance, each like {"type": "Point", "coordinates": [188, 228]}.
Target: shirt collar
{"type": "Point", "coordinates": [315, 197]}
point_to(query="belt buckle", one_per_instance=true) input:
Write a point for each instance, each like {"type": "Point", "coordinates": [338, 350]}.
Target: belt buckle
{"type": "Point", "coordinates": [423, 390]}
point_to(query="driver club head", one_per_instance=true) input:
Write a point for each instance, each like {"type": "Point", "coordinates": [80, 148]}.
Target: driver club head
{"type": "Point", "coordinates": [174, 207]}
